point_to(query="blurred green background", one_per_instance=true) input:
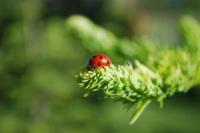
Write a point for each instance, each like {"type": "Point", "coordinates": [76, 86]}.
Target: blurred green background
{"type": "Point", "coordinates": [38, 62]}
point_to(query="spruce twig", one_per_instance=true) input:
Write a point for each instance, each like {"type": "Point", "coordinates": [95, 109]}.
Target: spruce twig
{"type": "Point", "coordinates": [156, 73]}
{"type": "Point", "coordinates": [138, 84]}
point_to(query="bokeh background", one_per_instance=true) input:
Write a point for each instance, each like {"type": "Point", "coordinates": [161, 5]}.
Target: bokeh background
{"type": "Point", "coordinates": [39, 61]}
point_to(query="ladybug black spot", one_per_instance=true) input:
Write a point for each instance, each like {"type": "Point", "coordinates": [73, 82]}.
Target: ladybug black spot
{"type": "Point", "coordinates": [99, 64]}
{"type": "Point", "coordinates": [108, 62]}
{"type": "Point", "coordinates": [101, 57]}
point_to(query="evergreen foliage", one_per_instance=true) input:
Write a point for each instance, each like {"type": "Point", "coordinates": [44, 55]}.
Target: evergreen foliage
{"type": "Point", "coordinates": [155, 73]}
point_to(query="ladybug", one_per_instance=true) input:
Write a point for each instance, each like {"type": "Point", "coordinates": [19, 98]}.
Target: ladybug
{"type": "Point", "coordinates": [99, 60]}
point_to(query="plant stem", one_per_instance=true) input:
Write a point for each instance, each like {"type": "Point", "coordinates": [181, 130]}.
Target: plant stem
{"type": "Point", "coordinates": [139, 110]}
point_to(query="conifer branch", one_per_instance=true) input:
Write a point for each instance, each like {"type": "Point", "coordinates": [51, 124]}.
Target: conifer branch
{"type": "Point", "coordinates": [156, 73]}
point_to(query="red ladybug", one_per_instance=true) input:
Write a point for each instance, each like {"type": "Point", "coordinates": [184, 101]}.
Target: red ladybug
{"type": "Point", "coordinates": [99, 60]}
